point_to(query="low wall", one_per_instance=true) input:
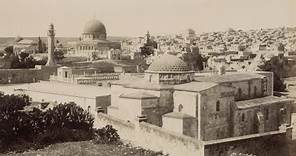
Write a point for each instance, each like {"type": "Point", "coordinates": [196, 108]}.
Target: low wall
{"type": "Point", "coordinates": [152, 137]}
{"type": "Point", "coordinates": [271, 145]}
{"type": "Point", "coordinates": [25, 75]}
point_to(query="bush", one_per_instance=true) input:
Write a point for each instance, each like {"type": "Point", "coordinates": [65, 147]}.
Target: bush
{"type": "Point", "coordinates": [21, 129]}
{"type": "Point", "coordinates": [13, 122]}
{"type": "Point", "coordinates": [106, 135]}
{"type": "Point", "coordinates": [63, 135]}
{"type": "Point", "coordinates": [68, 116]}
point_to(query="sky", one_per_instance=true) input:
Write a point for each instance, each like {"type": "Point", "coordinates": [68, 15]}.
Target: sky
{"type": "Point", "coordinates": [135, 17]}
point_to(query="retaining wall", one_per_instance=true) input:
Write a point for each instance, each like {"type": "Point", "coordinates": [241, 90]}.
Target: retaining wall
{"type": "Point", "coordinates": [152, 137]}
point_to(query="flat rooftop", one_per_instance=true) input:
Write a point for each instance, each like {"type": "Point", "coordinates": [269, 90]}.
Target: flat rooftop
{"type": "Point", "coordinates": [65, 89]}
{"type": "Point", "coordinates": [229, 77]}
{"type": "Point", "coordinates": [195, 86]}
{"type": "Point", "coordinates": [261, 101]}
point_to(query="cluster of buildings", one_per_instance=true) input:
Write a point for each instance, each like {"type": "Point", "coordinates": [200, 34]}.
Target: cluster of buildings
{"type": "Point", "coordinates": [93, 43]}
{"type": "Point", "coordinates": [236, 49]}
{"type": "Point", "coordinates": [213, 108]}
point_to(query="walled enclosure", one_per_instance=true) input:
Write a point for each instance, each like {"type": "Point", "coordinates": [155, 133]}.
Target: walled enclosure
{"type": "Point", "coordinates": [26, 75]}
{"type": "Point", "coordinates": [152, 137]}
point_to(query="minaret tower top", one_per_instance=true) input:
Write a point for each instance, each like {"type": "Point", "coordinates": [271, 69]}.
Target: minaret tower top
{"type": "Point", "coordinates": [50, 38]}
{"type": "Point", "coordinates": [51, 30]}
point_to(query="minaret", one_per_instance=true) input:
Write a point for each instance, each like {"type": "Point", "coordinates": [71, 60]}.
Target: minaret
{"type": "Point", "coordinates": [50, 42]}
{"type": "Point", "coordinates": [148, 38]}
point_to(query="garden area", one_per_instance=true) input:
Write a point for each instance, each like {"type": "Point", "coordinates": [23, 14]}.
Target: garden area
{"type": "Point", "coordinates": [66, 129]}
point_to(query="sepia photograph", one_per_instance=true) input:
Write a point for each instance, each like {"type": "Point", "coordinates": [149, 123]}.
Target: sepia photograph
{"type": "Point", "coordinates": [148, 77]}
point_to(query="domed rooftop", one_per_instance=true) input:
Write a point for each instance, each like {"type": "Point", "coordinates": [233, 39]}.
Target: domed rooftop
{"type": "Point", "coordinates": [168, 64]}
{"type": "Point", "coordinates": [94, 26]}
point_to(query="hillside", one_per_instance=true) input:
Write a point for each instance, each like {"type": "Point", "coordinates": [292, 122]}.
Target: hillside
{"type": "Point", "coordinates": [87, 148]}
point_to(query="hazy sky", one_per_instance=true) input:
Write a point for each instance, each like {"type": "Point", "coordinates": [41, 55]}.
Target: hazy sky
{"type": "Point", "coordinates": [135, 17]}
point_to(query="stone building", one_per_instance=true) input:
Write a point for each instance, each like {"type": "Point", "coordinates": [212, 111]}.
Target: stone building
{"type": "Point", "coordinates": [211, 108]}
{"type": "Point", "coordinates": [94, 43]}
{"type": "Point", "coordinates": [83, 75]}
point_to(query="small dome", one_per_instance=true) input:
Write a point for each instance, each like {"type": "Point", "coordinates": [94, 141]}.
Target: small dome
{"type": "Point", "coordinates": [168, 63]}
{"type": "Point", "coordinates": [94, 26]}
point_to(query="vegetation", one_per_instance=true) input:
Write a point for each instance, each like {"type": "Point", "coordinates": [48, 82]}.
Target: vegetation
{"type": "Point", "coordinates": [86, 148]}
{"type": "Point", "coordinates": [59, 55]}
{"type": "Point", "coordinates": [106, 135]}
{"type": "Point", "coordinates": [194, 59]}
{"type": "Point", "coordinates": [147, 51]}
{"type": "Point", "coordinates": [277, 65]}
{"type": "Point", "coordinates": [24, 60]}
{"type": "Point", "coordinates": [21, 129]}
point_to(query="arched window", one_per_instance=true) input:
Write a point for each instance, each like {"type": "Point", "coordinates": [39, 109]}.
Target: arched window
{"type": "Point", "coordinates": [180, 107]}
{"type": "Point", "coordinates": [149, 78]}
{"type": "Point", "coordinates": [218, 106]}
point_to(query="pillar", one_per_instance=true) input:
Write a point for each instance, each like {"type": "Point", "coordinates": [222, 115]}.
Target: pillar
{"type": "Point", "coordinates": [50, 38]}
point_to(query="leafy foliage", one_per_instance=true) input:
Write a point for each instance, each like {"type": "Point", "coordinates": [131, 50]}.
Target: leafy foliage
{"type": "Point", "coordinates": [68, 116]}
{"type": "Point", "coordinates": [147, 51]}
{"type": "Point", "coordinates": [106, 135]}
{"type": "Point", "coordinates": [13, 122]}
{"type": "Point", "coordinates": [65, 122]}
{"type": "Point", "coordinates": [59, 55]}
{"type": "Point", "coordinates": [24, 60]}
{"type": "Point", "coordinates": [21, 129]}
{"type": "Point", "coordinates": [9, 50]}
{"type": "Point", "coordinates": [194, 59]}
{"type": "Point", "coordinates": [277, 65]}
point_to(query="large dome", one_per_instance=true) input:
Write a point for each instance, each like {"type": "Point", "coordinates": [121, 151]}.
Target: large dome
{"type": "Point", "coordinates": [168, 63]}
{"type": "Point", "coordinates": [94, 27]}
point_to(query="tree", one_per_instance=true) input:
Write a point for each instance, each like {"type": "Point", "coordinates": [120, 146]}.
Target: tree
{"type": "Point", "coordinates": [8, 50]}
{"type": "Point", "coordinates": [147, 51]}
{"type": "Point", "coordinates": [24, 60]}
{"type": "Point", "coordinates": [40, 45]}
{"type": "Point", "coordinates": [69, 116]}
{"type": "Point", "coordinates": [23, 55]}
{"type": "Point", "coordinates": [277, 65]}
{"type": "Point", "coordinates": [194, 59]}
{"type": "Point", "coordinates": [13, 122]}
{"type": "Point", "coordinates": [281, 47]}
{"type": "Point", "coordinates": [59, 54]}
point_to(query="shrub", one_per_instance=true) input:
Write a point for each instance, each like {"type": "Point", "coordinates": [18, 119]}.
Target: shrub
{"type": "Point", "coordinates": [65, 122]}
{"type": "Point", "coordinates": [68, 116]}
{"type": "Point", "coordinates": [106, 135]}
{"type": "Point", "coordinates": [63, 135]}
{"type": "Point", "coordinates": [21, 129]}
{"type": "Point", "coordinates": [13, 122]}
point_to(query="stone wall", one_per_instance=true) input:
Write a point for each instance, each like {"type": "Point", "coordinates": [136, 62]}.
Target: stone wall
{"type": "Point", "coordinates": [245, 121]}
{"type": "Point", "coordinates": [274, 145]}
{"type": "Point", "coordinates": [26, 75]}
{"type": "Point", "coordinates": [152, 137]}
{"type": "Point", "coordinates": [165, 103]}
{"type": "Point", "coordinates": [215, 114]}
